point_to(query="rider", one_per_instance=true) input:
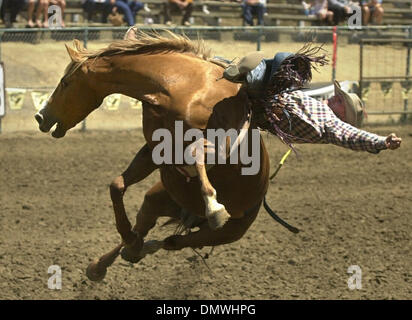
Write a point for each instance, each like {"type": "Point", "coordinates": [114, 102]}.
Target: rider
{"type": "Point", "coordinates": [282, 108]}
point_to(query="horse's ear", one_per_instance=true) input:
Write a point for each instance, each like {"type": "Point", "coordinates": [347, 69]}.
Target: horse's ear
{"type": "Point", "coordinates": [78, 45]}
{"type": "Point", "coordinates": [72, 53]}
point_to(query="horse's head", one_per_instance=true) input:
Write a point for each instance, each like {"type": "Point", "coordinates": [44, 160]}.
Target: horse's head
{"type": "Point", "coordinates": [72, 100]}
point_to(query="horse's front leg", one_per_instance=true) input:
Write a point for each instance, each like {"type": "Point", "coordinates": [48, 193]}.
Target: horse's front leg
{"type": "Point", "coordinates": [141, 167]}
{"type": "Point", "coordinates": [216, 213]}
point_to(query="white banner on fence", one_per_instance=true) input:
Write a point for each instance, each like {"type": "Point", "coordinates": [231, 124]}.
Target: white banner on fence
{"type": "Point", "coordinates": [39, 98]}
{"type": "Point", "coordinates": [16, 98]}
{"type": "Point", "coordinates": [135, 104]}
{"type": "Point", "coordinates": [113, 101]}
{"type": "Point", "coordinates": [2, 93]}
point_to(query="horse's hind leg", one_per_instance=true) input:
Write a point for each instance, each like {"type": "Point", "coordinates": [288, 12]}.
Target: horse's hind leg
{"type": "Point", "coordinates": [232, 231]}
{"type": "Point", "coordinates": [157, 202]}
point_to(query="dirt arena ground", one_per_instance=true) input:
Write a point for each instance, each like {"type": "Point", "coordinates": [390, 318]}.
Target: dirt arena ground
{"type": "Point", "coordinates": [352, 208]}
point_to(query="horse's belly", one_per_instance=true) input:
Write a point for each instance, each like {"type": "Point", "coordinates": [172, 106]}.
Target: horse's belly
{"type": "Point", "coordinates": [185, 194]}
{"type": "Point", "coordinates": [236, 192]}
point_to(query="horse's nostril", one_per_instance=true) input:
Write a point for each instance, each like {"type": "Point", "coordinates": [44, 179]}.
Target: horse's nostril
{"type": "Point", "coordinates": [39, 118]}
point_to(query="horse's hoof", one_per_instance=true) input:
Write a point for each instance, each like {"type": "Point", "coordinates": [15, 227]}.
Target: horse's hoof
{"type": "Point", "coordinates": [94, 272]}
{"type": "Point", "coordinates": [130, 255]}
{"type": "Point", "coordinates": [152, 246]}
{"type": "Point", "coordinates": [218, 219]}
{"type": "Point", "coordinates": [149, 247]}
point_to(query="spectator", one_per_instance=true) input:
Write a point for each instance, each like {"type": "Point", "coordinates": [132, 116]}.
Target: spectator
{"type": "Point", "coordinates": [372, 8]}
{"type": "Point", "coordinates": [105, 6]}
{"type": "Point", "coordinates": [42, 7]}
{"type": "Point", "coordinates": [185, 6]}
{"type": "Point", "coordinates": [129, 9]}
{"type": "Point", "coordinates": [62, 5]}
{"type": "Point", "coordinates": [319, 8]}
{"type": "Point", "coordinates": [253, 8]}
{"type": "Point", "coordinates": [340, 10]}
{"type": "Point", "coordinates": [126, 7]}
{"type": "Point", "coordinates": [9, 11]}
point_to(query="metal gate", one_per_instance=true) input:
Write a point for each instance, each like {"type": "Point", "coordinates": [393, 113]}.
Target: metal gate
{"type": "Point", "coordinates": [385, 80]}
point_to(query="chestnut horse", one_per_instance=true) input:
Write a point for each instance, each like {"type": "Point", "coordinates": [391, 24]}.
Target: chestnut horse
{"type": "Point", "coordinates": [176, 80]}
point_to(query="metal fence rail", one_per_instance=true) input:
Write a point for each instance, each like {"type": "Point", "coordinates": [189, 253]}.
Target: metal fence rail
{"type": "Point", "coordinates": [256, 34]}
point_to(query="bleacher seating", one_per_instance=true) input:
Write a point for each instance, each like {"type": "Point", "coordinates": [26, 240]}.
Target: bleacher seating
{"type": "Point", "coordinates": [221, 13]}
{"type": "Point", "coordinates": [279, 12]}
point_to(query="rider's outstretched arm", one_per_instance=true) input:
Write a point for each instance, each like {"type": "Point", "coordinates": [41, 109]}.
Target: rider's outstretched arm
{"type": "Point", "coordinates": [343, 134]}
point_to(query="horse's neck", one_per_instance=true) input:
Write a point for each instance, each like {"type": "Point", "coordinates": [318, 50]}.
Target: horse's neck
{"type": "Point", "coordinates": [145, 77]}
{"type": "Point", "coordinates": [177, 87]}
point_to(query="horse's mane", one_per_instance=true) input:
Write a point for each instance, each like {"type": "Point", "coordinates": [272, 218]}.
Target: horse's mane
{"type": "Point", "coordinates": [144, 43]}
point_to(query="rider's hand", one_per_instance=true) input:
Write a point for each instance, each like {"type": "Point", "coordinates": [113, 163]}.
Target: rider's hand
{"type": "Point", "coordinates": [393, 142]}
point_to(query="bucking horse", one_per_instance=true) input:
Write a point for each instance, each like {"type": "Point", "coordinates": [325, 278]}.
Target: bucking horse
{"type": "Point", "coordinates": [177, 81]}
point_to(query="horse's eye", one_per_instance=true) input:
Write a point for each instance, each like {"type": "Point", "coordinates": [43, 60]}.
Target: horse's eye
{"type": "Point", "coordinates": [63, 83]}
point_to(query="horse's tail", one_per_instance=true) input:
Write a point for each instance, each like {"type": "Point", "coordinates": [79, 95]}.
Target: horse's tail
{"type": "Point", "coordinates": [277, 218]}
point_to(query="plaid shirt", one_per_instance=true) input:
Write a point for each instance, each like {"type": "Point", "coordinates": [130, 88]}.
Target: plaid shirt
{"type": "Point", "coordinates": [312, 121]}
